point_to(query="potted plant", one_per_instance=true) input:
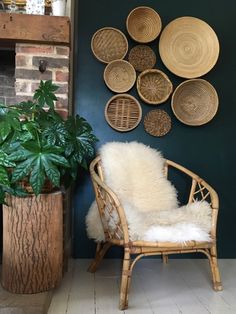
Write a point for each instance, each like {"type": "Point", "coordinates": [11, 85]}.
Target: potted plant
{"type": "Point", "coordinates": [38, 149]}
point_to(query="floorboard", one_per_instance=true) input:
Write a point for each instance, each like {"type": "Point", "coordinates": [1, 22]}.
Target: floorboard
{"type": "Point", "coordinates": [183, 286]}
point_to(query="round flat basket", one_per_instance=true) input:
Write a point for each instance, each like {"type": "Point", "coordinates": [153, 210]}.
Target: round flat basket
{"type": "Point", "coordinates": [109, 44]}
{"type": "Point", "coordinates": [189, 47]}
{"type": "Point", "coordinates": [157, 122]}
{"type": "Point", "coordinates": [154, 86]}
{"type": "Point", "coordinates": [195, 102]}
{"type": "Point", "coordinates": [142, 57]}
{"type": "Point", "coordinates": [119, 76]}
{"type": "Point", "coordinates": [143, 24]}
{"type": "Point", "coordinates": [123, 112]}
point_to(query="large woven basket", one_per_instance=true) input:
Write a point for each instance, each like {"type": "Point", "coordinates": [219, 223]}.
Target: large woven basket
{"type": "Point", "coordinates": [143, 24]}
{"type": "Point", "coordinates": [189, 47]}
{"type": "Point", "coordinates": [195, 102]}
{"type": "Point", "coordinates": [154, 86]}
{"type": "Point", "coordinates": [109, 44]}
{"type": "Point", "coordinates": [123, 112]}
{"type": "Point", "coordinates": [142, 57]}
{"type": "Point", "coordinates": [119, 76]}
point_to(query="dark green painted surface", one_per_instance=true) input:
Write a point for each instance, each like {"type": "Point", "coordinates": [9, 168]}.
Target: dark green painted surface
{"type": "Point", "coordinates": [208, 150]}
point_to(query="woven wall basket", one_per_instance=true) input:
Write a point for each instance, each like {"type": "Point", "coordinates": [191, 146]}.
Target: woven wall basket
{"type": "Point", "coordinates": [195, 102]}
{"type": "Point", "coordinates": [143, 24]}
{"type": "Point", "coordinates": [109, 44]}
{"type": "Point", "coordinates": [189, 47]}
{"type": "Point", "coordinates": [157, 122]}
{"type": "Point", "coordinates": [142, 57]}
{"type": "Point", "coordinates": [123, 112]}
{"type": "Point", "coordinates": [154, 86]}
{"type": "Point", "coordinates": [119, 76]}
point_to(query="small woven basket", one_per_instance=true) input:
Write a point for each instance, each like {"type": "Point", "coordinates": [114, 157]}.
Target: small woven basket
{"type": "Point", "coordinates": [123, 112]}
{"type": "Point", "coordinates": [142, 57]}
{"type": "Point", "coordinates": [143, 24]}
{"type": "Point", "coordinates": [154, 86]}
{"type": "Point", "coordinates": [119, 76]}
{"type": "Point", "coordinates": [157, 122]}
{"type": "Point", "coordinates": [195, 102]}
{"type": "Point", "coordinates": [109, 44]}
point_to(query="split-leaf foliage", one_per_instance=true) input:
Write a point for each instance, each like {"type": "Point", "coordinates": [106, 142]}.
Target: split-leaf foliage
{"type": "Point", "coordinates": [36, 144]}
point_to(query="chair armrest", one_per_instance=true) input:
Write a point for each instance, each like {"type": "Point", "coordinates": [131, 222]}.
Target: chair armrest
{"type": "Point", "coordinates": [110, 209]}
{"type": "Point", "coordinates": [200, 191]}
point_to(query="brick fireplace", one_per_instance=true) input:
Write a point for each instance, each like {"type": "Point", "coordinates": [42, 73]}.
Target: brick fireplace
{"type": "Point", "coordinates": [20, 75]}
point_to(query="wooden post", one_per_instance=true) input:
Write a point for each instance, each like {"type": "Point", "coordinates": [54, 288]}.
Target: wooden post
{"type": "Point", "coordinates": [32, 243]}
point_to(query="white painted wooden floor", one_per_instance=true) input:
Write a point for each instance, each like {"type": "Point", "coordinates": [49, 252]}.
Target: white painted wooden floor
{"type": "Point", "coordinates": [182, 286]}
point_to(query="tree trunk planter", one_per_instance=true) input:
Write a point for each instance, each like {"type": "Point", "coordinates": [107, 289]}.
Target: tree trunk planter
{"type": "Point", "coordinates": [32, 243]}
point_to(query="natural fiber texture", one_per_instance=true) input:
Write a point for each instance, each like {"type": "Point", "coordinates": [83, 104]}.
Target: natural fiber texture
{"type": "Point", "coordinates": [143, 24]}
{"type": "Point", "coordinates": [157, 122]}
{"type": "Point", "coordinates": [119, 76]}
{"type": "Point", "coordinates": [154, 86]}
{"type": "Point", "coordinates": [135, 173]}
{"type": "Point", "coordinates": [109, 44]}
{"type": "Point", "coordinates": [189, 47]}
{"type": "Point", "coordinates": [123, 112]}
{"type": "Point", "coordinates": [195, 102]}
{"type": "Point", "coordinates": [142, 57]}
{"type": "Point", "coordinates": [119, 214]}
{"type": "Point", "coordinates": [179, 226]}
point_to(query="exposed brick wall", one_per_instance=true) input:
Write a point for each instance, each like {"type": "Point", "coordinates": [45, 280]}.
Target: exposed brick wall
{"type": "Point", "coordinates": [28, 76]}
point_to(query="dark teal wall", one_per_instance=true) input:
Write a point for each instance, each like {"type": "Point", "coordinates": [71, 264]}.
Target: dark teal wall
{"type": "Point", "coordinates": [208, 150]}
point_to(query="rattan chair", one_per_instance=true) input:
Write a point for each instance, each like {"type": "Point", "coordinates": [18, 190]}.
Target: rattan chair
{"type": "Point", "coordinates": [108, 201]}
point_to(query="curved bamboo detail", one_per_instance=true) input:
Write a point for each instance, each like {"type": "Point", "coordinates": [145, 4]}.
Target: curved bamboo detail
{"type": "Point", "coordinates": [116, 228]}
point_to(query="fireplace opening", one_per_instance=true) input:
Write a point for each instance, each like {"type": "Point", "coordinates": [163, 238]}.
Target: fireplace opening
{"type": "Point", "coordinates": [7, 74]}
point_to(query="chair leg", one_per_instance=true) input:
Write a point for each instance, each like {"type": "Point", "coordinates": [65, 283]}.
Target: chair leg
{"type": "Point", "coordinates": [165, 258]}
{"type": "Point", "coordinates": [125, 281]}
{"type": "Point", "coordinates": [217, 285]}
{"type": "Point", "coordinates": [100, 252]}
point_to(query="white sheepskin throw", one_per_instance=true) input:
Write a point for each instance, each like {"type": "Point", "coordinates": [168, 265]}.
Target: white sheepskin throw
{"type": "Point", "coordinates": [135, 173]}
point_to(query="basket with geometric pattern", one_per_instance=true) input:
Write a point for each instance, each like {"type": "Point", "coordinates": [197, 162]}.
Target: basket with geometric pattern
{"type": "Point", "coordinates": [109, 44]}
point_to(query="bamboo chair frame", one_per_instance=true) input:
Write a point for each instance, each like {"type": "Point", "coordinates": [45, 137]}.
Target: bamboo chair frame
{"type": "Point", "coordinates": [116, 229]}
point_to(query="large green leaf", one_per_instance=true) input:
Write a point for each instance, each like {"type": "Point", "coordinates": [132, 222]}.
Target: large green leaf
{"type": "Point", "coordinates": [5, 161]}
{"type": "Point", "coordinates": [32, 146]}
{"type": "Point", "coordinates": [58, 160]}
{"type": "Point", "coordinates": [23, 169]}
{"type": "Point", "coordinates": [20, 154]}
{"type": "Point", "coordinates": [5, 129]}
{"type": "Point", "coordinates": [56, 134]}
{"type": "Point", "coordinates": [45, 94]}
{"type": "Point", "coordinates": [4, 179]}
{"type": "Point", "coordinates": [37, 176]}
{"type": "Point", "coordinates": [51, 171]}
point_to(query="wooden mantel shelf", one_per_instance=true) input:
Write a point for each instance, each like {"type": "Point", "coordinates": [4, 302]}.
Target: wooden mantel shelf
{"type": "Point", "coordinates": [35, 28]}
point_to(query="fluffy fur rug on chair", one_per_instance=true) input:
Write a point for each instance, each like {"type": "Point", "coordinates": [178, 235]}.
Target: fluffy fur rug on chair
{"type": "Point", "coordinates": [135, 173]}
